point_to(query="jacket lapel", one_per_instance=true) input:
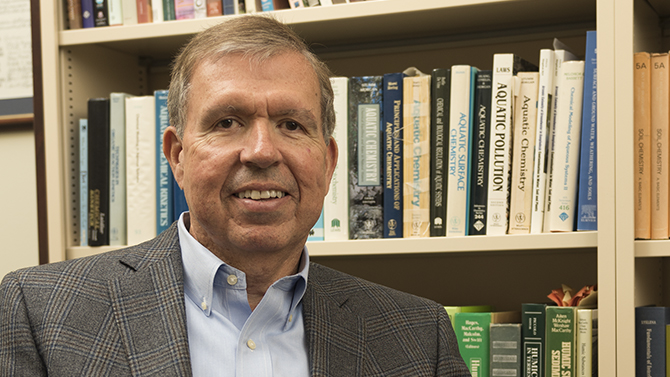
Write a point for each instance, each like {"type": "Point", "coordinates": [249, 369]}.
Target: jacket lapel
{"type": "Point", "coordinates": [335, 336]}
{"type": "Point", "coordinates": [148, 305]}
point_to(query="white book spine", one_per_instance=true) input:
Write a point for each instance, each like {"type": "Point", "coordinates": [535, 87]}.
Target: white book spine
{"type": "Point", "coordinates": [326, 2]}
{"type": "Point", "coordinates": [499, 152]}
{"type": "Point", "coordinates": [129, 9]}
{"type": "Point", "coordinates": [545, 96]}
{"type": "Point", "coordinates": [250, 6]}
{"type": "Point", "coordinates": [115, 12]}
{"type": "Point", "coordinates": [157, 10]}
{"type": "Point", "coordinates": [459, 143]}
{"type": "Point", "coordinates": [199, 8]}
{"type": "Point", "coordinates": [117, 169]}
{"type": "Point", "coordinates": [587, 332]}
{"type": "Point", "coordinates": [141, 168]}
{"type": "Point", "coordinates": [559, 57]}
{"type": "Point", "coordinates": [525, 117]}
{"type": "Point", "coordinates": [336, 204]}
{"type": "Point", "coordinates": [567, 133]}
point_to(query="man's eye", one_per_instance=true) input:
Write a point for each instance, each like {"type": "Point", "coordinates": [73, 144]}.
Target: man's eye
{"type": "Point", "coordinates": [226, 123]}
{"type": "Point", "coordinates": [292, 126]}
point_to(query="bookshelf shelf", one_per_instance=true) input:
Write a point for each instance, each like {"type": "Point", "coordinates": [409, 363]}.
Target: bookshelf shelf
{"type": "Point", "coordinates": [652, 248]}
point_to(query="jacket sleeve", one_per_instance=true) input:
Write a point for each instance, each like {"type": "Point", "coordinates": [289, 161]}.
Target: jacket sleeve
{"type": "Point", "coordinates": [18, 352]}
{"type": "Point", "coordinates": [450, 363]}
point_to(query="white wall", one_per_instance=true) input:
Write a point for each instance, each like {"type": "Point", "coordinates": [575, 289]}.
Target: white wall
{"type": "Point", "coordinates": [18, 200]}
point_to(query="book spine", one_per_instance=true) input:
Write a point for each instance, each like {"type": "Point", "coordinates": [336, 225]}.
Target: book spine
{"type": "Point", "coordinates": [115, 12]}
{"type": "Point", "coordinates": [587, 201]}
{"type": "Point", "coordinates": [642, 124]}
{"type": "Point", "coordinates": [316, 233]}
{"type": "Point", "coordinates": [83, 182]}
{"type": "Point", "coordinates": [164, 178]}
{"type": "Point", "coordinates": [250, 6]}
{"type": "Point", "coordinates": [499, 151]}
{"type": "Point", "coordinates": [168, 10]}
{"type": "Point", "coordinates": [129, 9]}
{"type": "Point", "coordinates": [117, 169]}
{"type": "Point", "coordinates": [586, 321]}
{"type": "Point", "coordinates": [365, 182]}
{"type": "Point", "coordinates": [144, 15]}
{"type": "Point", "coordinates": [505, 349]}
{"type": "Point", "coordinates": [199, 8]}
{"type": "Point", "coordinates": [562, 207]}
{"type": "Point", "coordinates": [184, 9]}
{"type": "Point", "coordinates": [229, 7]}
{"type": "Point", "coordinates": [87, 13]}
{"type": "Point", "coordinates": [479, 157]}
{"type": "Point", "coordinates": [660, 126]}
{"type": "Point", "coordinates": [294, 4]}
{"type": "Point", "coordinates": [560, 341]}
{"type": "Point", "coordinates": [74, 20]}
{"type": "Point", "coordinates": [141, 168]}
{"type": "Point", "coordinates": [542, 131]}
{"type": "Point", "coordinates": [393, 155]}
{"type": "Point", "coordinates": [525, 117]}
{"type": "Point", "coordinates": [157, 13]}
{"type": "Point", "coordinates": [439, 139]}
{"type": "Point", "coordinates": [416, 152]}
{"type": "Point", "coordinates": [100, 13]}
{"type": "Point", "coordinates": [473, 335]}
{"type": "Point", "coordinates": [460, 124]}
{"type": "Point", "coordinates": [267, 5]}
{"type": "Point", "coordinates": [98, 171]}
{"type": "Point", "coordinates": [533, 321]}
{"type": "Point", "coordinates": [650, 335]}
{"type": "Point", "coordinates": [336, 205]}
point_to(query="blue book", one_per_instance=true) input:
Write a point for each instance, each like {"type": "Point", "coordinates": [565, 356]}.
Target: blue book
{"type": "Point", "coordinates": [164, 178]}
{"type": "Point", "coordinates": [229, 7]}
{"type": "Point", "coordinates": [316, 234]}
{"type": "Point", "coordinates": [178, 200]}
{"type": "Point", "coordinates": [650, 340]}
{"type": "Point", "coordinates": [393, 155]}
{"type": "Point", "coordinates": [267, 5]}
{"type": "Point", "coordinates": [87, 19]}
{"type": "Point", "coordinates": [83, 182]}
{"type": "Point", "coordinates": [587, 201]}
{"type": "Point", "coordinates": [479, 154]}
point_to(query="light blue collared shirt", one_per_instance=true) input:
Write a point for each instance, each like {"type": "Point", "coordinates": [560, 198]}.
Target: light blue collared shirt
{"type": "Point", "coordinates": [225, 337]}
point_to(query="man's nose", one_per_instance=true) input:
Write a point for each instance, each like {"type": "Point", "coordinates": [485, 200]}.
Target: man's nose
{"type": "Point", "coordinates": [261, 145]}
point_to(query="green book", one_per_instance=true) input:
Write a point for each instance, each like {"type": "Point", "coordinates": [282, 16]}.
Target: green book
{"type": "Point", "coordinates": [560, 341]}
{"type": "Point", "coordinates": [451, 310]}
{"type": "Point", "coordinates": [473, 334]}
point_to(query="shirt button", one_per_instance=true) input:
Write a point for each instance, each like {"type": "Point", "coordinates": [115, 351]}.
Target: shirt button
{"type": "Point", "coordinates": [251, 344]}
{"type": "Point", "coordinates": [232, 279]}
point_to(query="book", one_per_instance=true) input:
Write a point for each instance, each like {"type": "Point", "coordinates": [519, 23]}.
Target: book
{"type": "Point", "coordinates": [336, 204]}
{"type": "Point", "coordinates": [505, 350]}
{"type": "Point", "coordinates": [542, 131]}
{"type": "Point", "coordinates": [587, 199]}
{"type": "Point", "coordinates": [83, 182]}
{"type": "Point", "coordinates": [316, 233]}
{"type": "Point", "coordinates": [117, 169]}
{"type": "Point", "coordinates": [642, 155]}
{"type": "Point", "coordinates": [416, 154]}
{"type": "Point", "coordinates": [523, 146]}
{"type": "Point", "coordinates": [565, 162]}
{"type": "Point", "coordinates": [473, 335]}
{"type": "Point", "coordinates": [660, 126]}
{"type": "Point", "coordinates": [366, 219]}
{"type": "Point", "coordinates": [184, 9]}
{"type": "Point", "coordinates": [87, 19]}
{"type": "Point", "coordinates": [98, 171]}
{"type": "Point", "coordinates": [587, 342]}
{"type": "Point", "coordinates": [144, 15]}
{"type": "Point", "coordinates": [164, 207]}
{"type": "Point", "coordinates": [267, 5]}
{"type": "Point", "coordinates": [141, 168]}
{"type": "Point", "coordinates": [229, 7]}
{"type": "Point", "coordinates": [560, 341]}
{"type": "Point", "coordinates": [129, 11]}
{"type": "Point", "coordinates": [74, 14]}
{"type": "Point", "coordinates": [169, 10]}
{"type": "Point", "coordinates": [650, 340]}
{"type": "Point", "coordinates": [296, 4]}
{"type": "Point", "coordinates": [505, 66]}
{"type": "Point", "coordinates": [157, 12]}
{"type": "Point", "coordinates": [560, 56]}
{"type": "Point", "coordinates": [439, 139]}
{"type": "Point", "coordinates": [199, 8]}
{"type": "Point", "coordinates": [533, 321]}
{"type": "Point", "coordinates": [115, 12]}
{"type": "Point", "coordinates": [479, 155]}
{"type": "Point", "coordinates": [393, 155]}
{"type": "Point", "coordinates": [460, 124]}
{"type": "Point", "coordinates": [452, 310]}
{"type": "Point", "coordinates": [100, 13]}
{"type": "Point", "coordinates": [250, 6]}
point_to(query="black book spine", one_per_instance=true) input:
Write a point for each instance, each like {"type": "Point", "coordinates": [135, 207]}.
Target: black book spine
{"type": "Point", "coordinates": [440, 90]}
{"type": "Point", "coordinates": [98, 171]}
{"type": "Point", "coordinates": [479, 155]}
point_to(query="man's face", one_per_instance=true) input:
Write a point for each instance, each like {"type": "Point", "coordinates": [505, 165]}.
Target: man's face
{"type": "Point", "coordinates": [253, 162]}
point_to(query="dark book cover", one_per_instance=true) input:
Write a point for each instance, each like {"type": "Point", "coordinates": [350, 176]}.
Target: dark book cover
{"type": "Point", "coordinates": [505, 351]}
{"type": "Point", "coordinates": [87, 10]}
{"type": "Point", "coordinates": [533, 325]}
{"type": "Point", "coordinates": [439, 140]}
{"type": "Point", "coordinates": [479, 155]}
{"type": "Point", "coordinates": [98, 171]}
{"type": "Point", "coordinates": [169, 12]}
{"type": "Point", "coordinates": [393, 155]}
{"type": "Point", "coordinates": [100, 14]}
{"type": "Point", "coordinates": [650, 340]}
{"type": "Point", "coordinates": [365, 169]}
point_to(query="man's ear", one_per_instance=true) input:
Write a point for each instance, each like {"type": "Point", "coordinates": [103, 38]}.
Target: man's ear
{"type": "Point", "coordinates": [172, 148]}
{"type": "Point", "coordinates": [332, 151]}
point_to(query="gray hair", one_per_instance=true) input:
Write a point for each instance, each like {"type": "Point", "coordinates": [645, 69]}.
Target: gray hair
{"type": "Point", "coordinates": [256, 37]}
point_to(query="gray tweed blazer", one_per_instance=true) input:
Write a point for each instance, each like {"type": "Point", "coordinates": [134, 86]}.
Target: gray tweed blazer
{"type": "Point", "coordinates": [122, 313]}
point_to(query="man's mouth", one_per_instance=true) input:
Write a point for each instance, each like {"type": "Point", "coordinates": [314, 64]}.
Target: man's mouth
{"type": "Point", "coordinates": [257, 195]}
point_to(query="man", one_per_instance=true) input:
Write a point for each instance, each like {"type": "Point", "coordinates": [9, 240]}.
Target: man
{"type": "Point", "coordinates": [228, 290]}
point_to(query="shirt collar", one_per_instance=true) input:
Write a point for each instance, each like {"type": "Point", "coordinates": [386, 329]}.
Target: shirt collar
{"type": "Point", "coordinates": [201, 266]}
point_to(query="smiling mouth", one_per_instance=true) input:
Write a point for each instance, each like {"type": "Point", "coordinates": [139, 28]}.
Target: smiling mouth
{"type": "Point", "coordinates": [258, 195]}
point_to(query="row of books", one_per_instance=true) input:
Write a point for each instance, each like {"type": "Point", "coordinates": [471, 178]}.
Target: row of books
{"type": "Point", "coordinates": [127, 191]}
{"type": "Point", "coordinates": [651, 120]}
{"type": "Point", "coordinates": [463, 151]}
{"type": "Point", "coordinates": [96, 13]}
{"type": "Point", "coordinates": [652, 341]}
{"type": "Point", "coordinates": [540, 340]}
